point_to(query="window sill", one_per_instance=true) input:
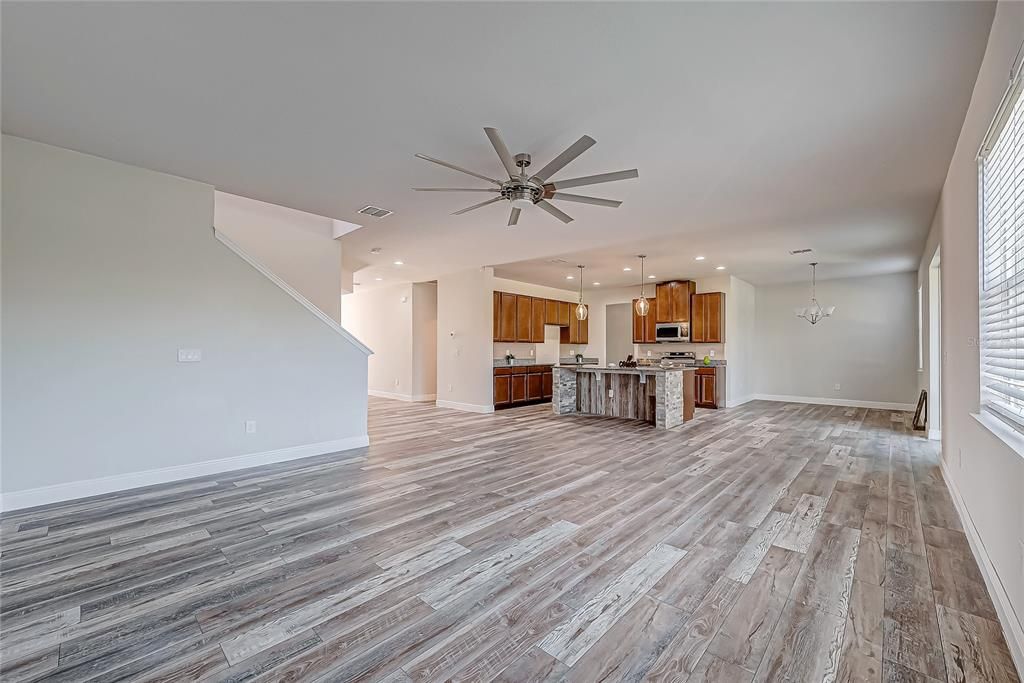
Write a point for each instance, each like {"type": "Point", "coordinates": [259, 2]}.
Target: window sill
{"type": "Point", "coordinates": [1013, 439]}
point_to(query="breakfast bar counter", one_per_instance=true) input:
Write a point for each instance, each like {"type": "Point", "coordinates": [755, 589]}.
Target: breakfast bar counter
{"type": "Point", "coordinates": [663, 397]}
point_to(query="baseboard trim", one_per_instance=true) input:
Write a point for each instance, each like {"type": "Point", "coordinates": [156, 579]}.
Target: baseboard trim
{"type": "Point", "coordinates": [72, 490]}
{"type": "Point", "coordinates": [732, 403]}
{"type": "Point", "coordinates": [466, 407]}
{"type": "Point", "coordinates": [414, 398]}
{"type": "Point", "coordinates": [1012, 627]}
{"type": "Point", "coordinates": [848, 403]}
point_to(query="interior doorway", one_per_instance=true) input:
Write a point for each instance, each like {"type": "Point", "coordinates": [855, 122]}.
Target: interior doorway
{"type": "Point", "coordinates": [935, 347]}
{"type": "Point", "coordinates": [618, 333]}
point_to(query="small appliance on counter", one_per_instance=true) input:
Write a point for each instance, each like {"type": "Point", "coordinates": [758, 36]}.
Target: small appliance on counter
{"type": "Point", "coordinates": [678, 359]}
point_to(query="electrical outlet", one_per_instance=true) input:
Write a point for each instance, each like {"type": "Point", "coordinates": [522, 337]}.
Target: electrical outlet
{"type": "Point", "coordinates": [396, 381]}
{"type": "Point", "coordinates": [449, 388]}
{"type": "Point", "coordinates": [648, 353]}
{"type": "Point", "coordinates": [837, 386]}
{"type": "Point", "coordinates": [190, 355]}
{"type": "Point", "coordinates": [250, 426]}
{"type": "Point", "coordinates": [611, 393]}
{"type": "Point", "coordinates": [532, 351]}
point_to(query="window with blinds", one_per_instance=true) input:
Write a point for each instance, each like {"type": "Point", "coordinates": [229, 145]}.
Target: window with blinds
{"type": "Point", "coordinates": [1001, 209]}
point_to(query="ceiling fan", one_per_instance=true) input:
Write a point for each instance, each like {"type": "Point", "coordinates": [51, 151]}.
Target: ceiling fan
{"type": "Point", "coordinates": [534, 190]}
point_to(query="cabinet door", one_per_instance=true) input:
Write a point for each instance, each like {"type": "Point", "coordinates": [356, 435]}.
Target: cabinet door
{"type": "Point", "coordinates": [584, 329]}
{"type": "Point", "coordinates": [534, 387]}
{"type": "Point", "coordinates": [638, 325]}
{"type": "Point", "coordinates": [548, 383]}
{"type": "Point", "coordinates": [537, 326]}
{"type": "Point", "coordinates": [502, 385]}
{"type": "Point", "coordinates": [524, 318]}
{"type": "Point", "coordinates": [518, 388]}
{"type": "Point", "coordinates": [681, 295]}
{"type": "Point", "coordinates": [650, 328]}
{"type": "Point", "coordinates": [663, 308]}
{"type": "Point", "coordinates": [497, 317]}
{"type": "Point", "coordinates": [714, 310]}
{"type": "Point", "coordinates": [507, 323]}
{"type": "Point", "coordinates": [564, 313]}
{"type": "Point", "coordinates": [699, 319]}
{"type": "Point", "coordinates": [550, 312]}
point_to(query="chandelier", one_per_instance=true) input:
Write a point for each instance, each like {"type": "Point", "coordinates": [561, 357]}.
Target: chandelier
{"type": "Point", "coordinates": [642, 304]}
{"type": "Point", "coordinates": [581, 308]}
{"type": "Point", "coordinates": [814, 312]}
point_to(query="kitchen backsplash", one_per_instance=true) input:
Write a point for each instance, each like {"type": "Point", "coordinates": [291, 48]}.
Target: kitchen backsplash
{"type": "Point", "coordinates": [700, 350]}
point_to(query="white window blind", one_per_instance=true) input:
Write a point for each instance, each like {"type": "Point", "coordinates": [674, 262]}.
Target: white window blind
{"type": "Point", "coordinates": [1001, 209]}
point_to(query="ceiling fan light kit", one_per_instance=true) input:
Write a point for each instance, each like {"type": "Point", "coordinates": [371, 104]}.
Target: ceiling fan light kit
{"type": "Point", "coordinates": [523, 191]}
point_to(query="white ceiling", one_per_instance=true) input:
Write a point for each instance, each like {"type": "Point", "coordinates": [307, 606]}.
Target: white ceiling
{"type": "Point", "coordinates": [757, 128]}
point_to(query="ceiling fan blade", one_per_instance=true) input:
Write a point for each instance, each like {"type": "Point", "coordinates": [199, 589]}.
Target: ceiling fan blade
{"type": "Point", "coordinates": [456, 189]}
{"type": "Point", "coordinates": [457, 168]}
{"type": "Point", "coordinates": [562, 160]}
{"type": "Point", "coordinates": [477, 206]}
{"type": "Point", "coordinates": [499, 146]}
{"type": "Point", "coordinates": [593, 179]}
{"type": "Point", "coordinates": [514, 216]}
{"type": "Point", "coordinates": [554, 211]}
{"type": "Point", "coordinates": [596, 201]}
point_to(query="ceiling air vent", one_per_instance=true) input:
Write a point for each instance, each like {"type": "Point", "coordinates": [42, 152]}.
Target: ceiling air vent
{"type": "Point", "coordinates": [375, 211]}
{"type": "Point", "coordinates": [797, 252]}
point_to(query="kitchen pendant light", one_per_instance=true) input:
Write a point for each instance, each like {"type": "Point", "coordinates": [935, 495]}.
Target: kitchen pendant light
{"type": "Point", "coordinates": [643, 306]}
{"type": "Point", "coordinates": [814, 312]}
{"type": "Point", "coordinates": [581, 308]}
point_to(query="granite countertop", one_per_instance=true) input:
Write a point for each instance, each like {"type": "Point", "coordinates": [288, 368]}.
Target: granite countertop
{"type": "Point", "coordinates": [649, 369]}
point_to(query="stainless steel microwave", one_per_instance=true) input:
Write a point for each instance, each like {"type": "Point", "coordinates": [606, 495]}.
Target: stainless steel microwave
{"type": "Point", "coordinates": [672, 332]}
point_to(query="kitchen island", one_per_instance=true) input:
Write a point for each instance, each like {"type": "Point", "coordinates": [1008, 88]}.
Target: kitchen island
{"type": "Point", "coordinates": [663, 397]}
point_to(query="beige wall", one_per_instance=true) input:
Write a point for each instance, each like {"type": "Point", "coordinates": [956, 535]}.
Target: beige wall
{"type": "Point", "coordinates": [983, 471]}
{"type": "Point", "coordinates": [424, 340]}
{"type": "Point", "coordinates": [296, 246]}
{"type": "Point", "coordinates": [869, 347]}
{"type": "Point", "coordinates": [465, 328]}
{"type": "Point", "coordinates": [108, 270]}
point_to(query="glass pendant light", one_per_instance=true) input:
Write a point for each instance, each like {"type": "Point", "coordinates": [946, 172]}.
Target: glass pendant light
{"type": "Point", "coordinates": [581, 308]}
{"type": "Point", "coordinates": [643, 306]}
{"type": "Point", "coordinates": [815, 313]}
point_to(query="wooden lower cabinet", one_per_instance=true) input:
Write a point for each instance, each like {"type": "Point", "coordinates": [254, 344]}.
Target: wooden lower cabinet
{"type": "Point", "coordinates": [520, 385]}
{"type": "Point", "coordinates": [706, 388]}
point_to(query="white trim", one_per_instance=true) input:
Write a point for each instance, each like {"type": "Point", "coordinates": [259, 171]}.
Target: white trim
{"type": "Point", "coordinates": [290, 291]}
{"type": "Point", "coordinates": [466, 407]}
{"type": "Point", "coordinates": [415, 398]}
{"type": "Point", "coordinates": [71, 490]}
{"type": "Point", "coordinates": [1012, 627]}
{"type": "Point", "coordinates": [935, 434]}
{"type": "Point", "coordinates": [733, 402]}
{"type": "Point", "coordinates": [848, 403]}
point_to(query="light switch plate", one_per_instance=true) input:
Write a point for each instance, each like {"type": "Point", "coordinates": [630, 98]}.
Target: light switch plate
{"type": "Point", "coordinates": [190, 355]}
{"type": "Point", "coordinates": [250, 426]}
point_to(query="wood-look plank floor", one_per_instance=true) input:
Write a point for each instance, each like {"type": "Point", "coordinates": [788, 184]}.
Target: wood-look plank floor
{"type": "Point", "coordinates": [769, 542]}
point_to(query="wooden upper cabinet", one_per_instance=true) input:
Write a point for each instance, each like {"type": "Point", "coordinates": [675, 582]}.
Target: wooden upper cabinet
{"type": "Point", "coordinates": [524, 318]}
{"type": "Point", "coordinates": [565, 316]}
{"type": "Point", "coordinates": [577, 331]}
{"type": "Point", "coordinates": [672, 301]}
{"type": "Point", "coordinates": [638, 325]}
{"type": "Point", "coordinates": [708, 318]}
{"type": "Point", "coordinates": [506, 317]}
{"type": "Point", "coordinates": [497, 317]}
{"type": "Point", "coordinates": [643, 327]}
{"type": "Point", "coordinates": [550, 312]}
{"type": "Point", "coordinates": [538, 307]}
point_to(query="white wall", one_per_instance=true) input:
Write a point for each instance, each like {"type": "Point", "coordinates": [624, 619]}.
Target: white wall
{"type": "Point", "coordinates": [296, 246]}
{"type": "Point", "coordinates": [382, 319]}
{"type": "Point", "coordinates": [108, 270]}
{"type": "Point", "coordinates": [424, 340]}
{"type": "Point", "coordinates": [869, 347]}
{"type": "Point", "coordinates": [465, 329]}
{"type": "Point", "coordinates": [984, 473]}
{"type": "Point", "coordinates": [740, 322]}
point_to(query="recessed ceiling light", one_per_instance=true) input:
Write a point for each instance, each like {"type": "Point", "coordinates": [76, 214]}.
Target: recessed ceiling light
{"type": "Point", "coordinates": [399, 263]}
{"type": "Point", "coordinates": [570, 277]}
{"type": "Point", "coordinates": [699, 258]}
{"type": "Point", "coordinates": [719, 267]}
{"type": "Point", "coordinates": [626, 269]}
{"type": "Point", "coordinates": [651, 277]}
{"type": "Point", "coordinates": [597, 284]}
{"type": "Point", "coordinates": [378, 279]}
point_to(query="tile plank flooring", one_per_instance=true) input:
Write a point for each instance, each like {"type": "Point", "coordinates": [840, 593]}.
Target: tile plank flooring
{"type": "Point", "coordinates": [769, 542]}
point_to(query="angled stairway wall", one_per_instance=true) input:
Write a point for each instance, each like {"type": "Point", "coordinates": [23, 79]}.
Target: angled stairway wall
{"type": "Point", "coordinates": [107, 271]}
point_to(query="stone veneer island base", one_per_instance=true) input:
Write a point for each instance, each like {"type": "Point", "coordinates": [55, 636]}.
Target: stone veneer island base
{"type": "Point", "coordinates": [663, 397]}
